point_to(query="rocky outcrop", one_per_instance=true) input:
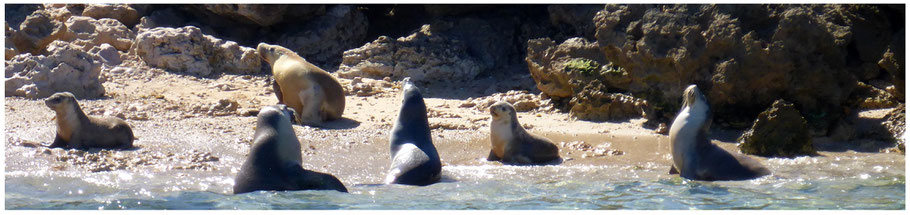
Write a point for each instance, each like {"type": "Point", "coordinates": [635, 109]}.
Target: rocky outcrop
{"type": "Point", "coordinates": [40, 29]}
{"type": "Point", "coordinates": [779, 131]}
{"type": "Point", "coordinates": [595, 105]}
{"type": "Point", "coordinates": [120, 12]}
{"type": "Point", "coordinates": [260, 14]}
{"type": "Point", "coordinates": [577, 70]}
{"type": "Point", "coordinates": [746, 56]}
{"type": "Point", "coordinates": [9, 48]}
{"type": "Point", "coordinates": [323, 39]}
{"type": "Point", "coordinates": [896, 125]}
{"type": "Point", "coordinates": [574, 19]}
{"type": "Point", "coordinates": [423, 56]}
{"type": "Point", "coordinates": [66, 68]}
{"type": "Point", "coordinates": [88, 33]}
{"type": "Point", "coordinates": [187, 50]}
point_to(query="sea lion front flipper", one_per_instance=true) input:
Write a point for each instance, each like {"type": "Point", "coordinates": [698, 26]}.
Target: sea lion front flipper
{"type": "Point", "coordinates": [310, 180]}
{"type": "Point", "coordinates": [493, 157]}
{"type": "Point", "coordinates": [58, 143]}
{"type": "Point", "coordinates": [277, 90]}
{"type": "Point", "coordinates": [408, 158]}
{"type": "Point", "coordinates": [673, 170]}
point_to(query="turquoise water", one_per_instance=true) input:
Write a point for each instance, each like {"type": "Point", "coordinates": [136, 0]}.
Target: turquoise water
{"type": "Point", "coordinates": [465, 187]}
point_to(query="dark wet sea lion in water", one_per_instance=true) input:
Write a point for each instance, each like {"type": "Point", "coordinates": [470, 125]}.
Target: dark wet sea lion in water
{"type": "Point", "coordinates": [274, 162]}
{"type": "Point", "coordinates": [414, 157]}
{"type": "Point", "coordinates": [512, 144]}
{"type": "Point", "coordinates": [694, 156]}
{"type": "Point", "coordinates": [77, 130]}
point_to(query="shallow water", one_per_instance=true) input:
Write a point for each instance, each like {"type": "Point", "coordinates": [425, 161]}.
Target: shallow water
{"type": "Point", "coordinates": [192, 163]}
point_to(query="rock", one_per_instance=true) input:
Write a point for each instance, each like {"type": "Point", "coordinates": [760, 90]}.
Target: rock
{"type": "Point", "coordinates": [779, 131]}
{"type": "Point", "coordinates": [896, 125]}
{"type": "Point", "coordinates": [106, 54]}
{"type": "Point", "coordinates": [120, 12]}
{"type": "Point", "coordinates": [260, 14]}
{"type": "Point", "coordinates": [521, 100]}
{"type": "Point", "coordinates": [187, 50]}
{"type": "Point", "coordinates": [869, 97]}
{"type": "Point", "coordinates": [9, 46]}
{"type": "Point", "coordinates": [38, 30]}
{"type": "Point", "coordinates": [561, 71]}
{"type": "Point", "coordinates": [746, 56]}
{"type": "Point", "coordinates": [594, 104]}
{"type": "Point", "coordinates": [423, 56]}
{"type": "Point", "coordinates": [88, 33]}
{"type": "Point", "coordinates": [16, 13]}
{"type": "Point", "coordinates": [574, 19]}
{"type": "Point", "coordinates": [892, 61]}
{"type": "Point", "coordinates": [66, 68]}
{"type": "Point", "coordinates": [323, 39]}
{"type": "Point", "coordinates": [224, 107]}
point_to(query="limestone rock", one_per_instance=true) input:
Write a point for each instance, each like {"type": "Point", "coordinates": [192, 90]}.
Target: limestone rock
{"type": "Point", "coordinates": [594, 104]}
{"type": "Point", "coordinates": [106, 54]}
{"type": "Point", "coordinates": [187, 50]}
{"type": "Point", "coordinates": [38, 30]}
{"type": "Point", "coordinates": [88, 33]}
{"type": "Point", "coordinates": [562, 71]}
{"type": "Point", "coordinates": [9, 47]}
{"type": "Point", "coordinates": [896, 124]}
{"type": "Point", "coordinates": [120, 12]}
{"type": "Point", "coordinates": [324, 39]}
{"type": "Point", "coordinates": [66, 68]}
{"type": "Point", "coordinates": [574, 19]}
{"type": "Point", "coordinates": [423, 56]}
{"type": "Point", "coordinates": [779, 131]}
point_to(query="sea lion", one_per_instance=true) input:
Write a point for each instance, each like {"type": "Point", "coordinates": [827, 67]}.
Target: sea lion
{"type": "Point", "coordinates": [694, 156]}
{"type": "Point", "coordinates": [313, 93]}
{"type": "Point", "coordinates": [274, 162]}
{"type": "Point", "coordinates": [76, 130]}
{"type": "Point", "coordinates": [414, 158]}
{"type": "Point", "coordinates": [512, 144]}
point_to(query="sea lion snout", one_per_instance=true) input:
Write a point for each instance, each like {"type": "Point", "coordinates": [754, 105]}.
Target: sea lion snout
{"type": "Point", "coordinates": [58, 98]}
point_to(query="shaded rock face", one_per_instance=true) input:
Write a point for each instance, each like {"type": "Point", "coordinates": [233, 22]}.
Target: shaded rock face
{"type": "Point", "coordinates": [9, 47]}
{"type": "Point", "coordinates": [40, 29]}
{"type": "Point", "coordinates": [779, 131]}
{"type": "Point", "coordinates": [896, 125]}
{"type": "Point", "coordinates": [324, 39]}
{"type": "Point", "coordinates": [187, 50]}
{"type": "Point", "coordinates": [746, 56]}
{"type": "Point", "coordinates": [66, 68]}
{"type": "Point", "coordinates": [574, 19]}
{"type": "Point", "coordinates": [423, 56]}
{"type": "Point", "coordinates": [88, 33]}
{"type": "Point", "coordinates": [120, 12]}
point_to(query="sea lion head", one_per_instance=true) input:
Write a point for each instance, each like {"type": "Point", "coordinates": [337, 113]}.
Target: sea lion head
{"type": "Point", "coordinates": [55, 101]}
{"type": "Point", "coordinates": [409, 90]}
{"type": "Point", "coordinates": [502, 110]}
{"type": "Point", "coordinates": [270, 53]}
{"type": "Point", "coordinates": [693, 97]}
{"type": "Point", "coordinates": [275, 115]}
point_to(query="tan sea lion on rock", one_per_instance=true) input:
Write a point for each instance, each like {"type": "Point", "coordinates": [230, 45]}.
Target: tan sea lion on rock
{"type": "Point", "coordinates": [512, 144]}
{"type": "Point", "coordinates": [313, 93]}
{"type": "Point", "coordinates": [77, 130]}
{"type": "Point", "coordinates": [694, 156]}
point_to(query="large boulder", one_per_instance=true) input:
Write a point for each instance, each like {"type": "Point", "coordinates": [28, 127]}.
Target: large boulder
{"type": "Point", "coordinates": [120, 12]}
{"type": "Point", "coordinates": [88, 33]}
{"type": "Point", "coordinates": [779, 131]}
{"type": "Point", "coordinates": [66, 68]}
{"type": "Point", "coordinates": [562, 71]}
{"type": "Point", "coordinates": [323, 39]}
{"type": "Point", "coordinates": [40, 29]}
{"type": "Point", "coordinates": [423, 56]}
{"type": "Point", "coordinates": [897, 125]}
{"type": "Point", "coordinates": [187, 50]}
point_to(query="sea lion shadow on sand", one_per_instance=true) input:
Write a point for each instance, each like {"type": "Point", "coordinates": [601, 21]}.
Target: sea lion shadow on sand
{"type": "Point", "coordinates": [341, 123]}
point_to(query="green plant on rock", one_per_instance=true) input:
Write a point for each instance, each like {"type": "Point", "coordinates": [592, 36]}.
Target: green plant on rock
{"type": "Point", "coordinates": [583, 66]}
